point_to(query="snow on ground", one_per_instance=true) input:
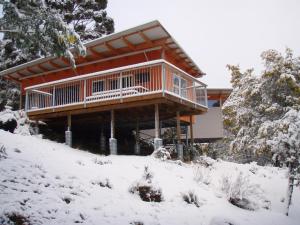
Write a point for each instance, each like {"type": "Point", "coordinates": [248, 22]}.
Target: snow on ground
{"type": "Point", "coordinates": [51, 183]}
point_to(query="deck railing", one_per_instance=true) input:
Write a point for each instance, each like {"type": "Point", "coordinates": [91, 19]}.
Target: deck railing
{"type": "Point", "coordinates": [151, 77]}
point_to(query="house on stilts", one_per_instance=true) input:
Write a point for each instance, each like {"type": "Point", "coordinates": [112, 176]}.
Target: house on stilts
{"type": "Point", "coordinates": [129, 81]}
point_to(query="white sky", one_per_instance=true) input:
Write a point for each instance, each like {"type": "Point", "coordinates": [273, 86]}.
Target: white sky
{"type": "Point", "coordinates": [218, 32]}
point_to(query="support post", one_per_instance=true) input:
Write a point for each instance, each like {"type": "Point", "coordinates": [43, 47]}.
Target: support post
{"type": "Point", "coordinates": [26, 101]}
{"type": "Point", "coordinates": [191, 132]}
{"type": "Point", "coordinates": [102, 141]}
{"type": "Point", "coordinates": [36, 127]}
{"type": "Point", "coordinates": [20, 100]}
{"type": "Point", "coordinates": [68, 132]}
{"type": "Point", "coordinates": [112, 141]}
{"type": "Point", "coordinates": [84, 93]}
{"type": "Point", "coordinates": [137, 148]}
{"type": "Point", "coordinates": [157, 139]}
{"type": "Point", "coordinates": [179, 146]}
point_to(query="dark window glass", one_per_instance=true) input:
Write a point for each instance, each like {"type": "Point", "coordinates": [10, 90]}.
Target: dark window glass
{"type": "Point", "coordinates": [127, 82]}
{"type": "Point", "coordinates": [98, 86]}
{"type": "Point", "coordinates": [142, 77]}
{"type": "Point", "coordinates": [213, 103]}
{"type": "Point", "coordinates": [113, 84]}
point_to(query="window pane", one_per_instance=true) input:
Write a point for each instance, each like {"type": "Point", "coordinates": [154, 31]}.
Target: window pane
{"type": "Point", "coordinates": [98, 86]}
{"type": "Point", "coordinates": [114, 84]}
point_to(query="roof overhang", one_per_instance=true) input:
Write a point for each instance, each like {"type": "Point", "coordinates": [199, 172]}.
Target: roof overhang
{"type": "Point", "coordinates": [151, 35]}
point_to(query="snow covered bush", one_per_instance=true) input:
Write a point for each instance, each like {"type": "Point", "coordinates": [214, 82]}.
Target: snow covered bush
{"type": "Point", "coordinates": [202, 175]}
{"type": "Point", "coordinates": [14, 218]}
{"type": "Point", "coordinates": [191, 198]}
{"type": "Point", "coordinates": [3, 153]}
{"type": "Point", "coordinates": [8, 121]}
{"type": "Point", "coordinates": [16, 122]}
{"type": "Point", "coordinates": [241, 192]}
{"type": "Point", "coordinates": [262, 113]}
{"type": "Point", "coordinates": [102, 183]}
{"type": "Point", "coordinates": [146, 189]}
{"type": "Point", "coordinates": [162, 153]}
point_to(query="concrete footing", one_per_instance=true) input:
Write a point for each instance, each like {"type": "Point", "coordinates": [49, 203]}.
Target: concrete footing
{"type": "Point", "coordinates": [157, 143]}
{"type": "Point", "coordinates": [68, 138]}
{"type": "Point", "coordinates": [179, 149]}
{"type": "Point", "coordinates": [113, 146]}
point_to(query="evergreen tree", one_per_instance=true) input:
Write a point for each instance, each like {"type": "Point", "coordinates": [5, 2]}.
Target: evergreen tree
{"type": "Point", "coordinates": [33, 29]}
{"type": "Point", "coordinates": [263, 113]}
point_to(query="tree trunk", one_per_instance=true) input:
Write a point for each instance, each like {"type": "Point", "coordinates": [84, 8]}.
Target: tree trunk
{"type": "Point", "coordinates": [290, 188]}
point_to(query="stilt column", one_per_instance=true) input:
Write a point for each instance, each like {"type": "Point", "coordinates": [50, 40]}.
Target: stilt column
{"type": "Point", "coordinates": [112, 141]}
{"type": "Point", "coordinates": [191, 132]}
{"type": "Point", "coordinates": [68, 133]}
{"type": "Point", "coordinates": [179, 146]}
{"type": "Point", "coordinates": [102, 141]}
{"type": "Point", "coordinates": [137, 148]}
{"type": "Point", "coordinates": [157, 139]}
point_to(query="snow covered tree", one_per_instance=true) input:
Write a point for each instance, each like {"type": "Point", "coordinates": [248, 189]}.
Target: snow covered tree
{"type": "Point", "coordinates": [263, 113]}
{"type": "Point", "coordinates": [88, 17]}
{"type": "Point", "coordinates": [33, 29]}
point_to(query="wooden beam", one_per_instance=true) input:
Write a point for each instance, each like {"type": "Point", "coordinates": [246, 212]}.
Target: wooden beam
{"type": "Point", "coordinates": [128, 43]}
{"type": "Point", "coordinates": [9, 77]}
{"type": "Point", "coordinates": [42, 68]}
{"type": "Point", "coordinates": [54, 64]}
{"type": "Point", "coordinates": [146, 39]}
{"type": "Point", "coordinates": [30, 70]}
{"type": "Point", "coordinates": [95, 53]}
{"type": "Point", "coordinates": [111, 48]}
{"type": "Point", "coordinates": [65, 60]}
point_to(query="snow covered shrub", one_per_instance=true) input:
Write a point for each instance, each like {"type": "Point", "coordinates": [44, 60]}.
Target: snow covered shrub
{"type": "Point", "coordinates": [240, 191]}
{"type": "Point", "coordinates": [191, 198]}
{"type": "Point", "coordinates": [105, 183]}
{"type": "Point", "coordinates": [146, 189]}
{"type": "Point", "coordinates": [204, 161]}
{"type": "Point", "coordinates": [100, 162]}
{"type": "Point", "coordinates": [202, 175]}
{"type": "Point", "coordinates": [3, 154]}
{"type": "Point", "coordinates": [136, 223]}
{"type": "Point", "coordinates": [263, 113]}
{"type": "Point", "coordinates": [14, 218]}
{"type": "Point", "coordinates": [162, 153]}
{"type": "Point", "coordinates": [8, 121]}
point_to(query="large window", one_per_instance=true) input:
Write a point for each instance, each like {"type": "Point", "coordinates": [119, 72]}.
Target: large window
{"type": "Point", "coordinates": [98, 86]}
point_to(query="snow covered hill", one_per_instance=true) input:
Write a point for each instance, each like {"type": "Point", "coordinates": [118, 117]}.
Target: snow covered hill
{"type": "Point", "coordinates": [43, 182]}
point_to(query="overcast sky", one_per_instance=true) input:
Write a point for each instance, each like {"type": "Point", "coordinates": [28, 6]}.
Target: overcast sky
{"type": "Point", "coordinates": [218, 32]}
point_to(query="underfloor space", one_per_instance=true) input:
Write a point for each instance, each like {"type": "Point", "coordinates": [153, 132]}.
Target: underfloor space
{"type": "Point", "coordinates": [87, 133]}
